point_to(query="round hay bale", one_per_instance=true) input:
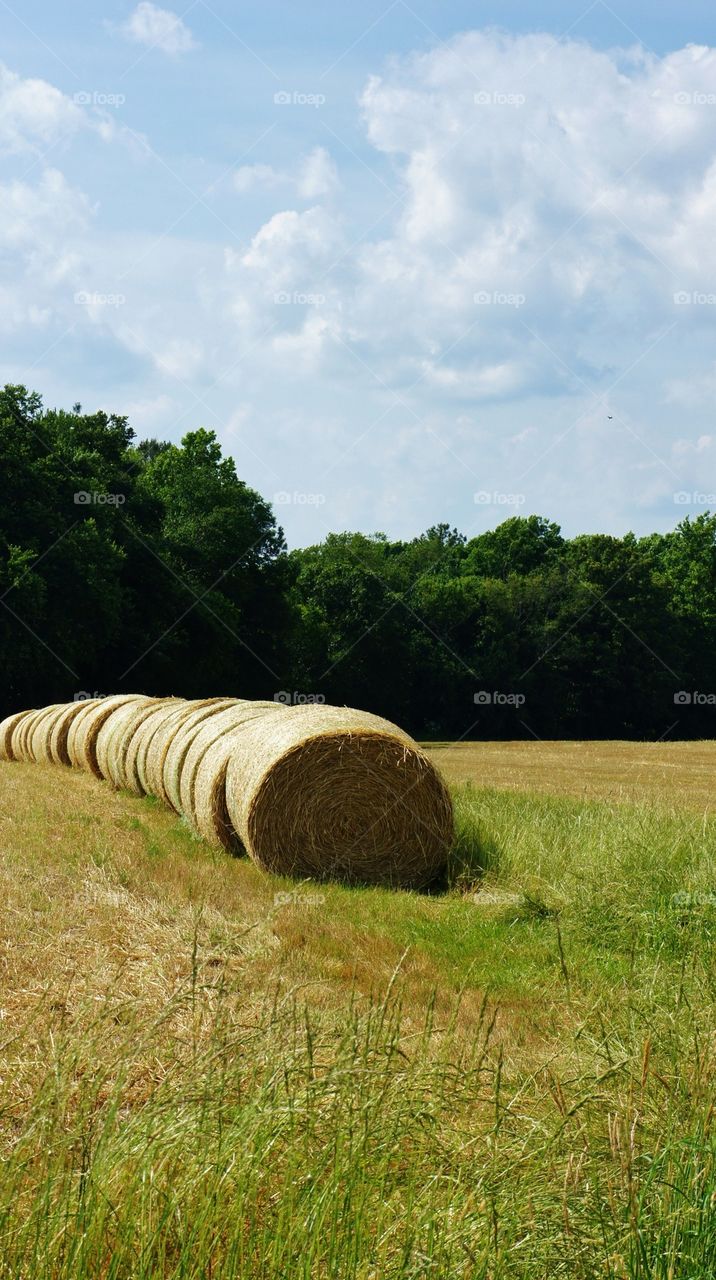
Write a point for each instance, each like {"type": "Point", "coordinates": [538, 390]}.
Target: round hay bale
{"type": "Point", "coordinates": [151, 764]}
{"type": "Point", "coordinates": [85, 729]}
{"type": "Point", "coordinates": [115, 736]}
{"type": "Point", "coordinates": [208, 815]}
{"type": "Point", "coordinates": [59, 753]}
{"type": "Point", "coordinates": [7, 730]}
{"type": "Point", "coordinates": [40, 737]}
{"type": "Point", "coordinates": [23, 735]}
{"type": "Point", "coordinates": [19, 732]}
{"type": "Point", "coordinates": [135, 763]}
{"type": "Point", "coordinates": [171, 751]}
{"type": "Point", "coordinates": [333, 793]}
{"type": "Point", "coordinates": [217, 728]}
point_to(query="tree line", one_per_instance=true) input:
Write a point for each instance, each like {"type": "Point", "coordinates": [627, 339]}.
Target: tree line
{"type": "Point", "coordinates": [144, 565]}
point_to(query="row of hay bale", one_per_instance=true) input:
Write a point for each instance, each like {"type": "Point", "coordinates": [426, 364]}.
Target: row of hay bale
{"type": "Point", "coordinates": [309, 790]}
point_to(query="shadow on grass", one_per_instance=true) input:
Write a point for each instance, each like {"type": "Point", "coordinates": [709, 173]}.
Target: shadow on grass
{"type": "Point", "coordinates": [474, 852]}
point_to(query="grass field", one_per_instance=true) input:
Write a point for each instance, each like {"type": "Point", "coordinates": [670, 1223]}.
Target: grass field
{"type": "Point", "coordinates": [205, 1072]}
{"type": "Point", "coordinates": [670, 773]}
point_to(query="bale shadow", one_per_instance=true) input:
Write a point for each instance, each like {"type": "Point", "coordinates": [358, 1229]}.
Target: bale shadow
{"type": "Point", "coordinates": [474, 851]}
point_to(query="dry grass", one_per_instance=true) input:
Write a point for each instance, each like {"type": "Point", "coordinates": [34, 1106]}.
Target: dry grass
{"type": "Point", "coordinates": [670, 773]}
{"type": "Point", "coordinates": [208, 1071]}
{"type": "Point", "coordinates": [105, 896]}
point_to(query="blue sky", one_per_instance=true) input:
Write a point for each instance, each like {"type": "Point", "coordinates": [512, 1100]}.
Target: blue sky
{"type": "Point", "coordinates": [412, 262]}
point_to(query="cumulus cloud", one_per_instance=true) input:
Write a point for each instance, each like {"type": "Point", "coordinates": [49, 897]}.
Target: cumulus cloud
{"type": "Point", "coordinates": [319, 176]}
{"type": "Point", "coordinates": [250, 177]}
{"type": "Point", "coordinates": [33, 113]}
{"type": "Point", "coordinates": [158, 29]}
{"type": "Point", "coordinates": [530, 305]}
{"type": "Point", "coordinates": [553, 200]}
{"type": "Point", "coordinates": [316, 177]}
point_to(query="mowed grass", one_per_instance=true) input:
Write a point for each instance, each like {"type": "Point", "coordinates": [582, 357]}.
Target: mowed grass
{"type": "Point", "coordinates": [671, 773]}
{"type": "Point", "coordinates": [206, 1072]}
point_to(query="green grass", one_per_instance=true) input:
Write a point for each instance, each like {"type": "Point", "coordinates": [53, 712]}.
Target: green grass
{"type": "Point", "coordinates": [512, 1078]}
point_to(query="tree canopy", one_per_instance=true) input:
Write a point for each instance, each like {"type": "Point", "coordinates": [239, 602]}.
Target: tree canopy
{"type": "Point", "coordinates": [153, 566]}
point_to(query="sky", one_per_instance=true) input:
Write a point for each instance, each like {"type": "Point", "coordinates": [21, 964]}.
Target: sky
{"type": "Point", "coordinates": [412, 262]}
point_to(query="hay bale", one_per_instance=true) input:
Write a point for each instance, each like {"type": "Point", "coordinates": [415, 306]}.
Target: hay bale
{"type": "Point", "coordinates": [218, 727]}
{"type": "Point", "coordinates": [7, 730]}
{"type": "Point", "coordinates": [40, 738]}
{"type": "Point", "coordinates": [135, 763]}
{"type": "Point", "coordinates": [115, 736]}
{"type": "Point", "coordinates": [85, 729]}
{"type": "Point", "coordinates": [333, 793]}
{"type": "Point", "coordinates": [167, 770]}
{"type": "Point", "coordinates": [151, 764]}
{"type": "Point", "coordinates": [18, 734]}
{"type": "Point", "coordinates": [59, 753]}
{"type": "Point", "coordinates": [24, 732]}
{"type": "Point", "coordinates": [206, 794]}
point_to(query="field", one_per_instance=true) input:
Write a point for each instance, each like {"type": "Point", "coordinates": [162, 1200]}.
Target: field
{"type": "Point", "coordinates": [205, 1072]}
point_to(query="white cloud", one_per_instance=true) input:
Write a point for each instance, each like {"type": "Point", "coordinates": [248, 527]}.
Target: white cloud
{"type": "Point", "coordinates": [33, 113]}
{"type": "Point", "coordinates": [249, 177]}
{"type": "Point", "coordinates": [318, 176]}
{"type": "Point", "coordinates": [547, 202]}
{"type": "Point", "coordinates": [41, 224]}
{"type": "Point", "coordinates": [158, 29]}
{"type": "Point", "coordinates": [151, 415]}
{"type": "Point", "coordinates": [315, 177]}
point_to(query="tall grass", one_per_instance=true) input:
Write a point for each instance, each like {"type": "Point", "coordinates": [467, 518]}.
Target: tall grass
{"type": "Point", "coordinates": [530, 1095]}
{"type": "Point", "coordinates": [302, 1146]}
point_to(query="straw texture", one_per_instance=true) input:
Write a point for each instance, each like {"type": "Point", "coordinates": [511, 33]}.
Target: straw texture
{"type": "Point", "coordinates": [40, 738]}
{"type": "Point", "coordinates": [7, 729]}
{"type": "Point", "coordinates": [24, 732]}
{"type": "Point", "coordinates": [135, 763]}
{"type": "Point", "coordinates": [85, 730]}
{"type": "Point", "coordinates": [333, 793]}
{"type": "Point", "coordinates": [171, 736]}
{"type": "Point", "coordinates": [324, 792]}
{"type": "Point", "coordinates": [61, 729]}
{"type": "Point", "coordinates": [115, 736]}
{"type": "Point", "coordinates": [208, 814]}
{"type": "Point", "coordinates": [207, 736]}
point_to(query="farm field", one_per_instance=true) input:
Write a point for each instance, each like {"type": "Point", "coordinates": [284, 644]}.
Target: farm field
{"type": "Point", "coordinates": [670, 773]}
{"type": "Point", "coordinates": [206, 1071]}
